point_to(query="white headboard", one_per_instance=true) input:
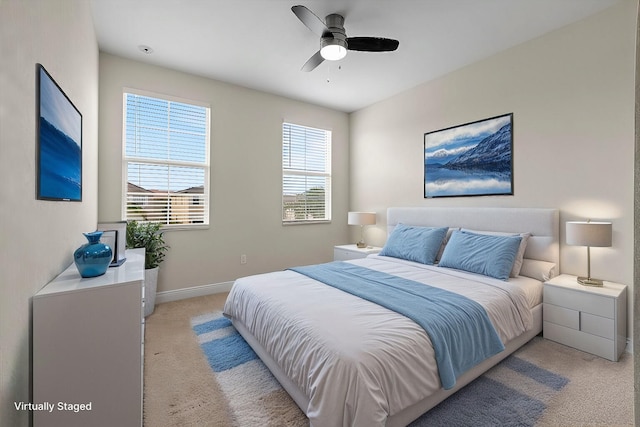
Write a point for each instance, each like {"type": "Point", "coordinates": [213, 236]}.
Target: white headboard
{"type": "Point", "coordinates": [543, 224]}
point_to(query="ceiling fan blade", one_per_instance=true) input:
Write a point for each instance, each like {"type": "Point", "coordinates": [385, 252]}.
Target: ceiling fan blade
{"type": "Point", "coordinates": [372, 44]}
{"type": "Point", "coordinates": [313, 62]}
{"type": "Point", "coordinates": [312, 22]}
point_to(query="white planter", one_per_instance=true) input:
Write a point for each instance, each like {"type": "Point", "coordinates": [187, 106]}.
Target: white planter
{"type": "Point", "coordinates": [150, 287]}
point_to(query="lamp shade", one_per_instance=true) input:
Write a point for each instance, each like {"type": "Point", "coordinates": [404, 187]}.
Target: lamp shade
{"type": "Point", "coordinates": [361, 218]}
{"type": "Point", "coordinates": [594, 234]}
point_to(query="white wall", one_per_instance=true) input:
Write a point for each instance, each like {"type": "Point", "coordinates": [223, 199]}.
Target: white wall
{"type": "Point", "coordinates": [37, 238]}
{"type": "Point", "coordinates": [572, 96]}
{"type": "Point", "coordinates": [246, 180]}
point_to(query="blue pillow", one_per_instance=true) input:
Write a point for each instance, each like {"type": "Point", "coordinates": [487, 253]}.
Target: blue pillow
{"type": "Point", "coordinates": [481, 253]}
{"type": "Point", "coordinates": [419, 244]}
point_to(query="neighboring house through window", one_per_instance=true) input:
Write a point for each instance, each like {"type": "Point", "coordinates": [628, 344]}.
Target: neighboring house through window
{"type": "Point", "coordinates": [306, 174]}
{"type": "Point", "coordinates": [165, 160]}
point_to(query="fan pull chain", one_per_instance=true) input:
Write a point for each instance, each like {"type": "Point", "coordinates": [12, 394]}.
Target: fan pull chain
{"type": "Point", "coordinates": [329, 72]}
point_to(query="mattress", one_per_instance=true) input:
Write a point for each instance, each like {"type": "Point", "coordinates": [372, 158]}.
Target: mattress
{"type": "Point", "coordinates": [356, 362]}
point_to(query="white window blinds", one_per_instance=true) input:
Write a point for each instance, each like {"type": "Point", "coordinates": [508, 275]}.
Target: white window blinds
{"type": "Point", "coordinates": [306, 174]}
{"type": "Point", "coordinates": [166, 161]}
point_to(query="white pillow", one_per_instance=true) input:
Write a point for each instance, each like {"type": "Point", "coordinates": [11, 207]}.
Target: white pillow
{"type": "Point", "coordinates": [444, 242]}
{"type": "Point", "coordinates": [517, 264]}
{"type": "Point", "coordinates": [539, 270]}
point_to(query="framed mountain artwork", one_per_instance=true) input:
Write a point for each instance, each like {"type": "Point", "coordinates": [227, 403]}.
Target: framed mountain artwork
{"type": "Point", "coordinates": [473, 159]}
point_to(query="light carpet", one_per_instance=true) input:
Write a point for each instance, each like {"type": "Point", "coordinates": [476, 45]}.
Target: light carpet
{"type": "Point", "coordinates": [181, 388]}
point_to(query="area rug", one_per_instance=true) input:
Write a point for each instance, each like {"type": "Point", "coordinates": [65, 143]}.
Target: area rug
{"type": "Point", "coordinates": [513, 393]}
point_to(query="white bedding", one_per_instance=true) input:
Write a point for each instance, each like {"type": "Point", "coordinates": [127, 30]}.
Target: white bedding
{"type": "Point", "coordinates": [358, 362]}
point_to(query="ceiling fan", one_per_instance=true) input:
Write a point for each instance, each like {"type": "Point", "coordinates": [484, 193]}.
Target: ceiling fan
{"type": "Point", "coordinates": [334, 42]}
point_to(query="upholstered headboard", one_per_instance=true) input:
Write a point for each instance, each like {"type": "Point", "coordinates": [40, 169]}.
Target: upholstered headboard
{"type": "Point", "coordinates": [543, 224]}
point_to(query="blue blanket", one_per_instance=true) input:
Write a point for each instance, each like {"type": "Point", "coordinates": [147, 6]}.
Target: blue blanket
{"type": "Point", "coordinates": [459, 328]}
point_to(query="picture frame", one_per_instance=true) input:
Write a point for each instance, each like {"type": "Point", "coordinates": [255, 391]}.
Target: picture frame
{"type": "Point", "coordinates": [115, 235]}
{"type": "Point", "coordinates": [110, 238]}
{"type": "Point", "coordinates": [472, 159]}
{"type": "Point", "coordinates": [59, 134]}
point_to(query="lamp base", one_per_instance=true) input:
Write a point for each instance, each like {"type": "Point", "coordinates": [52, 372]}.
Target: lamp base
{"type": "Point", "coordinates": [361, 244]}
{"type": "Point", "coordinates": [588, 281]}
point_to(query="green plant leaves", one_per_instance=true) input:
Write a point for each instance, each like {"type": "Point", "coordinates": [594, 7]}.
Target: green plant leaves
{"type": "Point", "coordinates": [147, 235]}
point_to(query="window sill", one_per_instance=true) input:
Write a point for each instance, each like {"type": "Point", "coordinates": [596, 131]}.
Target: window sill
{"type": "Point", "coordinates": [288, 223]}
{"type": "Point", "coordinates": [184, 227]}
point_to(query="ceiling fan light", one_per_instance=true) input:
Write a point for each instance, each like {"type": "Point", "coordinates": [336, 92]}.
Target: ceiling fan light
{"type": "Point", "coordinates": [333, 49]}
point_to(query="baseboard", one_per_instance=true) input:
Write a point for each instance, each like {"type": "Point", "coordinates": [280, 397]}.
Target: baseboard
{"type": "Point", "coordinates": [196, 291]}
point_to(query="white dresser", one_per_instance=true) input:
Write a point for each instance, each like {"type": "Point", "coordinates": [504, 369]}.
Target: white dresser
{"type": "Point", "coordinates": [347, 252]}
{"type": "Point", "coordinates": [88, 347]}
{"type": "Point", "coordinates": [591, 319]}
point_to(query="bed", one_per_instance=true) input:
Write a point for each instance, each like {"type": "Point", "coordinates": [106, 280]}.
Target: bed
{"type": "Point", "coordinates": [331, 337]}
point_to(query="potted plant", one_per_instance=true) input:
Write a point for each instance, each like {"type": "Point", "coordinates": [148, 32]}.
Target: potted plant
{"type": "Point", "coordinates": [148, 235]}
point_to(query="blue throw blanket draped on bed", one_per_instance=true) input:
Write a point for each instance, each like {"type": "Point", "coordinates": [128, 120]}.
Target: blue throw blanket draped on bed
{"type": "Point", "coordinates": [459, 328]}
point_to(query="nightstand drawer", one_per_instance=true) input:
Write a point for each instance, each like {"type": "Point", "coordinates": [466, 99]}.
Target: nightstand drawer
{"type": "Point", "coordinates": [596, 325]}
{"type": "Point", "coordinates": [582, 341]}
{"type": "Point", "coordinates": [562, 316]}
{"type": "Point", "coordinates": [348, 252]}
{"type": "Point", "coordinates": [580, 301]}
{"type": "Point", "coordinates": [344, 255]}
{"type": "Point", "coordinates": [585, 322]}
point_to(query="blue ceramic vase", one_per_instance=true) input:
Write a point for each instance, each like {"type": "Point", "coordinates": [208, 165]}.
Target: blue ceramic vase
{"type": "Point", "coordinates": [93, 258]}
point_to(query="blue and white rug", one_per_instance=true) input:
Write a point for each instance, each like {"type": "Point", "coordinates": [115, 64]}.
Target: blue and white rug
{"type": "Point", "coordinates": [514, 393]}
{"type": "Point", "coordinates": [253, 394]}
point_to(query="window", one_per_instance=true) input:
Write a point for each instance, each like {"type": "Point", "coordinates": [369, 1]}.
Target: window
{"type": "Point", "coordinates": [165, 161]}
{"type": "Point", "coordinates": [306, 174]}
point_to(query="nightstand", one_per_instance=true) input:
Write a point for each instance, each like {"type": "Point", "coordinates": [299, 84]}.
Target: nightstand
{"type": "Point", "coordinates": [590, 319]}
{"type": "Point", "coordinates": [347, 252]}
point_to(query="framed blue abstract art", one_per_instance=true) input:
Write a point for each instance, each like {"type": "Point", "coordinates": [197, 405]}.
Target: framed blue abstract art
{"type": "Point", "coordinates": [59, 130]}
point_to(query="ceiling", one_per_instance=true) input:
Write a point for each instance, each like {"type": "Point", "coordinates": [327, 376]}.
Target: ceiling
{"type": "Point", "coordinates": [260, 44]}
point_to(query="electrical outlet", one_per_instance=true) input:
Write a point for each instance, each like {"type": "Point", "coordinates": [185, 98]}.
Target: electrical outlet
{"type": "Point", "coordinates": [243, 259]}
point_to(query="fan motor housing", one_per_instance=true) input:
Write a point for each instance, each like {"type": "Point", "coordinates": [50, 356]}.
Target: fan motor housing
{"type": "Point", "coordinates": [335, 24]}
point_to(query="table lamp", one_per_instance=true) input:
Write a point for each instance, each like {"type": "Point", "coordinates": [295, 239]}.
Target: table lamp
{"type": "Point", "coordinates": [589, 234]}
{"type": "Point", "coordinates": [361, 219]}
